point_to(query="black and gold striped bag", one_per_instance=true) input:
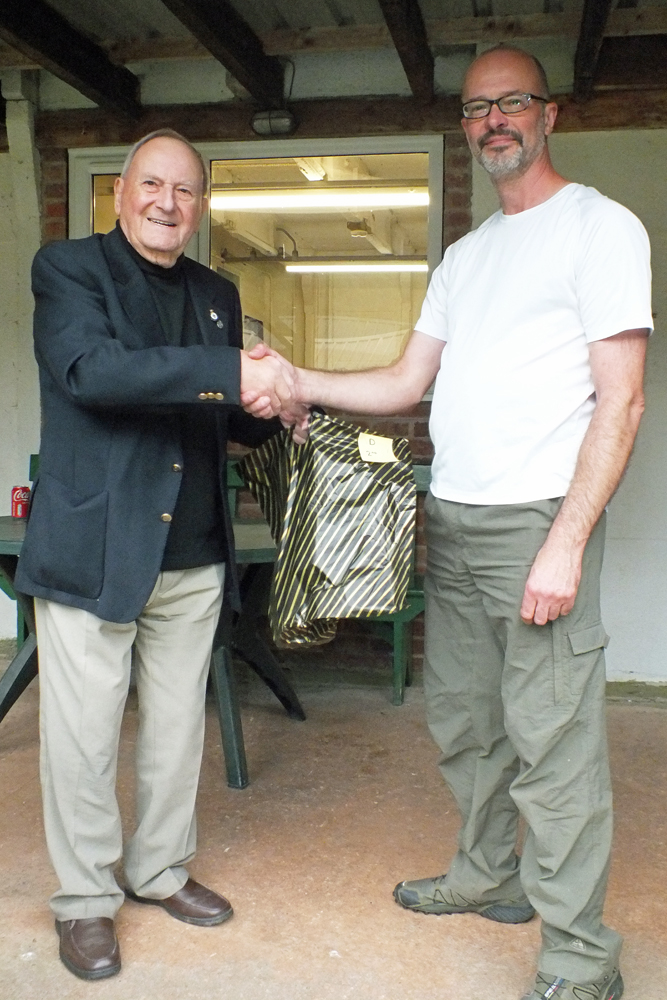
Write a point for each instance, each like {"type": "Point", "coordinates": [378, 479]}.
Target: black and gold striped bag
{"type": "Point", "coordinates": [344, 528]}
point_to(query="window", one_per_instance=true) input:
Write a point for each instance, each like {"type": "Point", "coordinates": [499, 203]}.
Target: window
{"type": "Point", "coordinates": [328, 242]}
{"type": "Point", "coordinates": [329, 253]}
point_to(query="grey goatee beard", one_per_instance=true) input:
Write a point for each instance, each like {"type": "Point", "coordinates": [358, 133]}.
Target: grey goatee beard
{"type": "Point", "coordinates": [502, 165]}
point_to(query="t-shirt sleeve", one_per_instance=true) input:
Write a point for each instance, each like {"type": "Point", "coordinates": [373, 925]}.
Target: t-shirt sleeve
{"type": "Point", "coordinates": [433, 317]}
{"type": "Point", "coordinates": [613, 271]}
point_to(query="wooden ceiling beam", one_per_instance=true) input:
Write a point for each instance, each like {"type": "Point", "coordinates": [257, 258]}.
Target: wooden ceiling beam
{"type": "Point", "coordinates": [223, 32]}
{"type": "Point", "coordinates": [623, 22]}
{"type": "Point", "coordinates": [45, 38]}
{"type": "Point", "coordinates": [594, 18]}
{"type": "Point", "coordinates": [406, 26]}
{"type": "Point", "coordinates": [465, 31]}
{"type": "Point", "coordinates": [339, 118]}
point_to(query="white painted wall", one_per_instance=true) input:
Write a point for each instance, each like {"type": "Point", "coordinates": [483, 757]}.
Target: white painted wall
{"type": "Point", "coordinates": [19, 404]}
{"type": "Point", "coordinates": [629, 166]}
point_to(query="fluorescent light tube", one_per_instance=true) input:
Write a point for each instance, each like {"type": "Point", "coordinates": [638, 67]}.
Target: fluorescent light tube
{"type": "Point", "coordinates": [300, 200]}
{"type": "Point", "coordinates": [351, 268]}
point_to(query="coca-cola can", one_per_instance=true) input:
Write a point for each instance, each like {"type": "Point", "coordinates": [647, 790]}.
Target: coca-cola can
{"type": "Point", "coordinates": [20, 501]}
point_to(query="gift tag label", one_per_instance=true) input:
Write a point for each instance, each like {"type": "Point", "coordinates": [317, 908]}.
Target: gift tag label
{"type": "Point", "coordinates": [373, 448]}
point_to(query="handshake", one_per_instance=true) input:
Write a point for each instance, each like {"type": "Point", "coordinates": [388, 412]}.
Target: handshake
{"type": "Point", "coordinates": [270, 388]}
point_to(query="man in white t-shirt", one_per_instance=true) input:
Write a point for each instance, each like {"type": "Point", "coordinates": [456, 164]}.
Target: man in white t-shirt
{"type": "Point", "coordinates": [544, 311]}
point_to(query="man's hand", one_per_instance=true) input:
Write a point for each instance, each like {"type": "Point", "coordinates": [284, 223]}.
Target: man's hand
{"type": "Point", "coordinates": [267, 382]}
{"type": "Point", "coordinates": [254, 399]}
{"type": "Point", "coordinates": [552, 583]}
{"type": "Point", "coordinates": [297, 417]}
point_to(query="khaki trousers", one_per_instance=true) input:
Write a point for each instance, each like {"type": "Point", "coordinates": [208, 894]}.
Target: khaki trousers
{"type": "Point", "coordinates": [84, 665]}
{"type": "Point", "coordinates": [519, 713]}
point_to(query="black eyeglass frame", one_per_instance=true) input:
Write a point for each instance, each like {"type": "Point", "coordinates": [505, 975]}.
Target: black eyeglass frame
{"type": "Point", "coordinates": [497, 100]}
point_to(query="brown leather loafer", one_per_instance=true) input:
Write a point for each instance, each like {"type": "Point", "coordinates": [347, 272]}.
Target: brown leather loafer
{"type": "Point", "coordinates": [194, 904]}
{"type": "Point", "coordinates": [89, 947]}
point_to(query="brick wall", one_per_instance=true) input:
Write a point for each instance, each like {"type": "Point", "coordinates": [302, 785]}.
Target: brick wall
{"type": "Point", "coordinates": [54, 194]}
{"type": "Point", "coordinates": [457, 199]}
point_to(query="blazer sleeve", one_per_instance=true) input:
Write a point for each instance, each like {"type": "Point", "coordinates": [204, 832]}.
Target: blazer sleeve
{"type": "Point", "coordinates": [75, 339]}
{"type": "Point", "coordinates": [242, 427]}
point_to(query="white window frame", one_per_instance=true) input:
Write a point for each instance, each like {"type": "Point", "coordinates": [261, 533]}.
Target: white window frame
{"type": "Point", "coordinates": [85, 163]}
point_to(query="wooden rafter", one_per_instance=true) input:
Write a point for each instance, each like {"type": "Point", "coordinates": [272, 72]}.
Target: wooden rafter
{"type": "Point", "coordinates": [224, 33]}
{"type": "Point", "coordinates": [465, 31]}
{"type": "Point", "coordinates": [406, 27]}
{"type": "Point", "coordinates": [45, 37]}
{"type": "Point", "coordinates": [593, 23]}
{"type": "Point", "coordinates": [335, 118]}
{"type": "Point", "coordinates": [623, 22]}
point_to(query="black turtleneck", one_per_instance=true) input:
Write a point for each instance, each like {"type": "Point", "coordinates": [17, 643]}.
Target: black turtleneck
{"type": "Point", "coordinates": [196, 533]}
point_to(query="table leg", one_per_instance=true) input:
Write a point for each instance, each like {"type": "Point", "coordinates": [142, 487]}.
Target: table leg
{"type": "Point", "coordinates": [18, 674]}
{"type": "Point", "coordinates": [229, 717]}
{"type": "Point", "coordinates": [248, 642]}
{"type": "Point", "coordinates": [23, 667]}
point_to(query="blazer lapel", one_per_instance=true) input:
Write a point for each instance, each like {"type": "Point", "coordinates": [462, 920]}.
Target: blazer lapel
{"type": "Point", "coordinates": [133, 292]}
{"type": "Point", "coordinates": [212, 316]}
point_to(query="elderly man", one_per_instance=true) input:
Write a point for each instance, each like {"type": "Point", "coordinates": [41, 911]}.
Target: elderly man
{"type": "Point", "coordinates": [129, 542]}
{"type": "Point", "coordinates": [535, 326]}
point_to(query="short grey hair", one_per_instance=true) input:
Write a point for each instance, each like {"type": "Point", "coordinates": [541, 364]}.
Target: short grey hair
{"type": "Point", "coordinates": [167, 133]}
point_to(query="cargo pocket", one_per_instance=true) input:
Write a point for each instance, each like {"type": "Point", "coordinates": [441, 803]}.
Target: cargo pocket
{"type": "Point", "coordinates": [579, 656]}
{"type": "Point", "coordinates": [65, 541]}
{"type": "Point", "coordinates": [585, 640]}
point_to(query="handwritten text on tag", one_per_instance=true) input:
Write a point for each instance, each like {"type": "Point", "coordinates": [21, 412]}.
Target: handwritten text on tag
{"type": "Point", "coordinates": [376, 449]}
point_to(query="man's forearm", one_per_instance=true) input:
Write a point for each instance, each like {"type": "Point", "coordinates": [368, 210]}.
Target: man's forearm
{"type": "Point", "coordinates": [617, 366]}
{"type": "Point", "coordinates": [378, 391]}
{"type": "Point", "coordinates": [389, 390]}
{"type": "Point", "coordinates": [602, 460]}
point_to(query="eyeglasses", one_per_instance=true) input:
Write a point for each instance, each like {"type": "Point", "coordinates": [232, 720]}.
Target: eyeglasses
{"type": "Point", "coordinates": [511, 104]}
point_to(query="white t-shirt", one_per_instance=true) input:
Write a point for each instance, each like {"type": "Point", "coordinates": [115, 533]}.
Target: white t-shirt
{"type": "Point", "coordinates": [517, 302]}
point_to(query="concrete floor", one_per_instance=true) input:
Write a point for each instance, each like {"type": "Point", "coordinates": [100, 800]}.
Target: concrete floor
{"type": "Point", "coordinates": [340, 808]}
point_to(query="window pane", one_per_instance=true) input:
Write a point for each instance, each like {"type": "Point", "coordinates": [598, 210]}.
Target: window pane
{"type": "Point", "coordinates": [104, 215]}
{"type": "Point", "coordinates": [273, 220]}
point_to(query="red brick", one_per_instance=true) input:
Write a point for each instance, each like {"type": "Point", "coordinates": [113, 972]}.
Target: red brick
{"type": "Point", "coordinates": [457, 217]}
{"type": "Point", "coordinates": [55, 191]}
{"type": "Point", "coordinates": [55, 210]}
{"type": "Point", "coordinates": [457, 161]}
{"type": "Point", "coordinates": [422, 448]}
{"type": "Point", "coordinates": [455, 181]}
{"type": "Point", "coordinates": [54, 173]}
{"type": "Point", "coordinates": [457, 199]}
{"type": "Point", "coordinates": [55, 230]}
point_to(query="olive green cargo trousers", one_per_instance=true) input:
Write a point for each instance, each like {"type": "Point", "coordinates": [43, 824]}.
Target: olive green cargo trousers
{"type": "Point", "coordinates": [519, 713]}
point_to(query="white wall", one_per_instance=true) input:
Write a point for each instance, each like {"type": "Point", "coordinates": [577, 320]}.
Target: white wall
{"type": "Point", "coordinates": [629, 166]}
{"type": "Point", "coordinates": [19, 406]}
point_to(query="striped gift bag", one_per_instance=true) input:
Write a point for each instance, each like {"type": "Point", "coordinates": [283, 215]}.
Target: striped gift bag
{"type": "Point", "coordinates": [344, 527]}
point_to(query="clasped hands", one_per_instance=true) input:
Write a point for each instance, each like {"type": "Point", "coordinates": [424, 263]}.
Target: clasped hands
{"type": "Point", "coordinates": [269, 388]}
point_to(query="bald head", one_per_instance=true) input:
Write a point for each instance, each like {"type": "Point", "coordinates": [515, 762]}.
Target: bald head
{"type": "Point", "coordinates": [508, 143]}
{"type": "Point", "coordinates": [506, 69]}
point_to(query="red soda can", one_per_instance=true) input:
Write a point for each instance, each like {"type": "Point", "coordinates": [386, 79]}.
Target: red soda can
{"type": "Point", "coordinates": [20, 500]}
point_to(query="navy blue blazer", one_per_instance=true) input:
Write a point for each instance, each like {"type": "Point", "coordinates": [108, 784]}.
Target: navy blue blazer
{"type": "Point", "coordinates": [111, 392]}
